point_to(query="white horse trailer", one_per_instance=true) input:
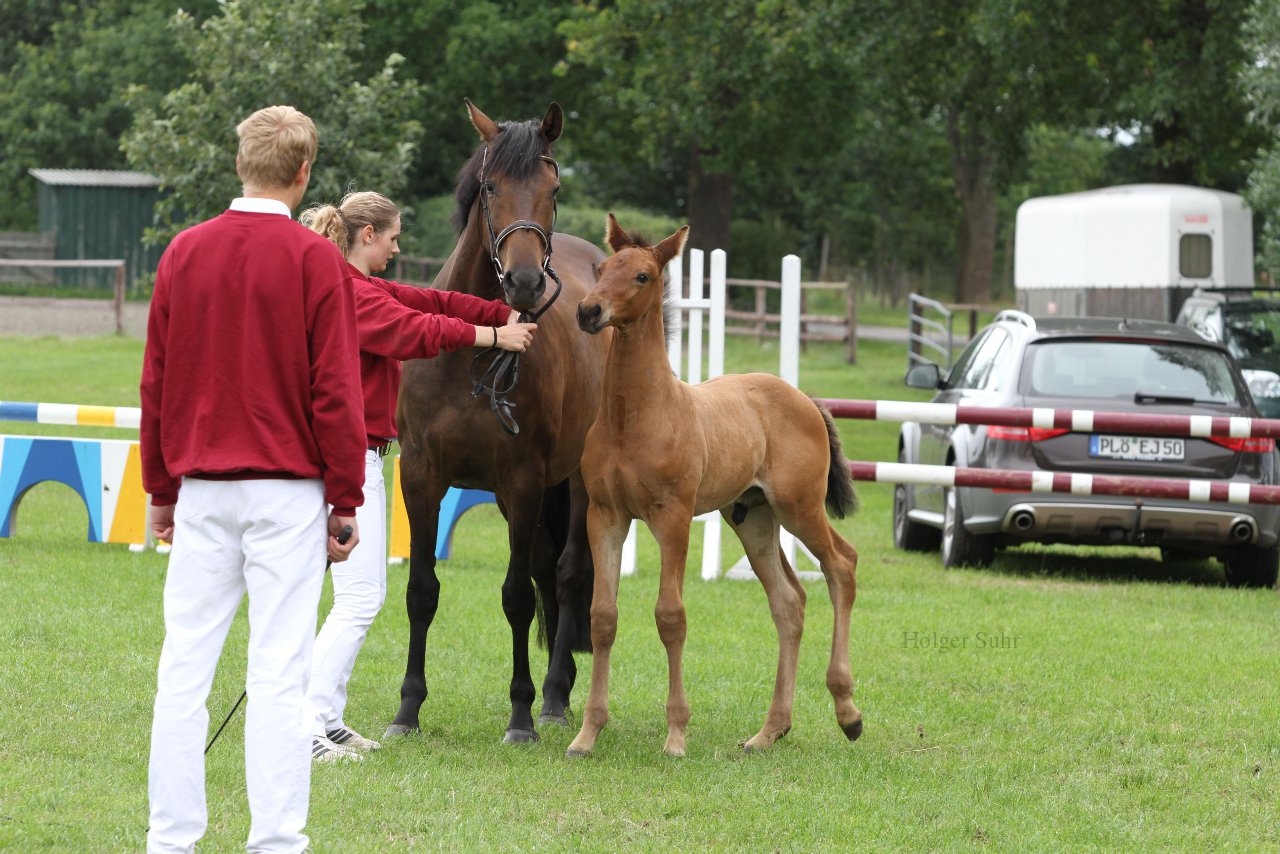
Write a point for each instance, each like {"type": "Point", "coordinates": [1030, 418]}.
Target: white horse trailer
{"type": "Point", "coordinates": [1129, 251]}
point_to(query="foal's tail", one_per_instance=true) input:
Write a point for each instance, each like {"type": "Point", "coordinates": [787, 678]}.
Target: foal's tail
{"type": "Point", "coordinates": [841, 499]}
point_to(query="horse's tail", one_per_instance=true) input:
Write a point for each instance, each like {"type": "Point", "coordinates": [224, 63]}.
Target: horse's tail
{"type": "Point", "coordinates": [841, 499]}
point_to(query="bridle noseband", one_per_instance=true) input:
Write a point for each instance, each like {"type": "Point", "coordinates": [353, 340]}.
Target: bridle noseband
{"type": "Point", "coordinates": [500, 377]}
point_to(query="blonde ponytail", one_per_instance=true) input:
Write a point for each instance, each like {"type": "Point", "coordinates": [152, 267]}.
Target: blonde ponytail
{"type": "Point", "coordinates": [328, 220]}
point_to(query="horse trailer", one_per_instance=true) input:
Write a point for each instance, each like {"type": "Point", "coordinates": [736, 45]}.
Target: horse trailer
{"type": "Point", "coordinates": [1134, 251]}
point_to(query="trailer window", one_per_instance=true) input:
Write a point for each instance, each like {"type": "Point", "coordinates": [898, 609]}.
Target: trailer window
{"type": "Point", "coordinates": [1195, 256]}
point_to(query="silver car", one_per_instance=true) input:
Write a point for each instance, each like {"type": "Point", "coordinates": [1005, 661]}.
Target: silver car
{"type": "Point", "coordinates": [1105, 364]}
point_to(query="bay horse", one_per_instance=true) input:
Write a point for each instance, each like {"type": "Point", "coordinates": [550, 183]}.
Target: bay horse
{"type": "Point", "coordinates": [505, 215]}
{"type": "Point", "coordinates": [750, 445]}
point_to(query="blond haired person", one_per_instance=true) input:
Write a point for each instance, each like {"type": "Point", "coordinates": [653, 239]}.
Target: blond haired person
{"type": "Point", "coordinates": [395, 322]}
{"type": "Point", "coordinates": [251, 428]}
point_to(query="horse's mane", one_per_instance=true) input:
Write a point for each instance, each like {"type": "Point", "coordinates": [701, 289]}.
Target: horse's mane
{"type": "Point", "coordinates": [514, 153]}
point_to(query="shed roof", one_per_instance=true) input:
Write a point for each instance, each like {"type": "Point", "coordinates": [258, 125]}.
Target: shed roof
{"type": "Point", "coordinates": [94, 178]}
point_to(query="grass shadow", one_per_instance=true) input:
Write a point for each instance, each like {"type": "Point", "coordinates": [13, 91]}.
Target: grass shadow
{"type": "Point", "coordinates": [1126, 565]}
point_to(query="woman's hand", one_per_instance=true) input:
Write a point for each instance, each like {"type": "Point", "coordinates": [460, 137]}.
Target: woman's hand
{"type": "Point", "coordinates": [515, 336]}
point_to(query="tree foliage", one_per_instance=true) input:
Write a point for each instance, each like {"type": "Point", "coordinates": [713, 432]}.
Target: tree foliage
{"type": "Point", "coordinates": [62, 97]}
{"type": "Point", "coordinates": [711, 99]}
{"type": "Point", "coordinates": [255, 54]}
{"type": "Point", "coordinates": [895, 136]}
{"type": "Point", "coordinates": [1261, 82]}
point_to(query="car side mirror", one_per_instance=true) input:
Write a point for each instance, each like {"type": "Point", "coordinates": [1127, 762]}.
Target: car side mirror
{"type": "Point", "coordinates": [926, 375]}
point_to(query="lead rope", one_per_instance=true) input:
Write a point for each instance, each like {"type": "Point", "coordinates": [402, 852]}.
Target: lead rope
{"type": "Point", "coordinates": [499, 379]}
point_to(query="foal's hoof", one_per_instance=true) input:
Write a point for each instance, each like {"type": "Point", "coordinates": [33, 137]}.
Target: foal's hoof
{"type": "Point", "coordinates": [397, 730]}
{"type": "Point", "coordinates": [520, 736]}
{"type": "Point", "coordinates": [573, 753]}
{"type": "Point", "coordinates": [558, 720]}
{"type": "Point", "coordinates": [853, 730]}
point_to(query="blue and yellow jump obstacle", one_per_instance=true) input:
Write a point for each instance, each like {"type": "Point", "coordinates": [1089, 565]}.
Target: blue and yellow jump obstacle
{"type": "Point", "coordinates": [107, 475]}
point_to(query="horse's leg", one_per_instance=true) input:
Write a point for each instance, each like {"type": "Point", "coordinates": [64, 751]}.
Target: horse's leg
{"type": "Point", "coordinates": [573, 605]}
{"type": "Point", "coordinates": [839, 562]}
{"type": "Point", "coordinates": [672, 530]}
{"type": "Point", "coordinates": [522, 501]}
{"type": "Point", "coordinates": [422, 494]}
{"type": "Point", "coordinates": [759, 535]}
{"type": "Point", "coordinates": [606, 531]}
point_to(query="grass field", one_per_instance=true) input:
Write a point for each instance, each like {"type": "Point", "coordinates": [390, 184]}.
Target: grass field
{"type": "Point", "coordinates": [1062, 700]}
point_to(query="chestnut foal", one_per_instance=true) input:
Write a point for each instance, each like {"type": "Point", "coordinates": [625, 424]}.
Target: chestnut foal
{"type": "Point", "coordinates": [663, 451]}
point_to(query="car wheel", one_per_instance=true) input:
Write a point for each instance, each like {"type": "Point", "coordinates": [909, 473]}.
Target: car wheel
{"type": "Point", "coordinates": [959, 547]}
{"type": "Point", "coordinates": [1253, 566]}
{"type": "Point", "coordinates": [908, 535]}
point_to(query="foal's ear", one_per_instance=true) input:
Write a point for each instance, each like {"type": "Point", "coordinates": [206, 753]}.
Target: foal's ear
{"type": "Point", "coordinates": [615, 236]}
{"type": "Point", "coordinates": [553, 123]}
{"type": "Point", "coordinates": [484, 125]}
{"type": "Point", "coordinates": [671, 247]}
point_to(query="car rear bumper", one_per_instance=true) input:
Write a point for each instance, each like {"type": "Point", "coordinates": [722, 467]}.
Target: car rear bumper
{"type": "Point", "coordinates": [1138, 523]}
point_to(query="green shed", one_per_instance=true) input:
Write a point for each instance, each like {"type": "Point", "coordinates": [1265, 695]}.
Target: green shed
{"type": "Point", "coordinates": [98, 214]}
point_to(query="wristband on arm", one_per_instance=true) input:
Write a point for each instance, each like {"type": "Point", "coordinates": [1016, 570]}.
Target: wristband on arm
{"type": "Point", "coordinates": [495, 335]}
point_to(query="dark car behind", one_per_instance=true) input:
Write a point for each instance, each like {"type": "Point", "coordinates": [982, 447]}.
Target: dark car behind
{"type": "Point", "coordinates": [1100, 364]}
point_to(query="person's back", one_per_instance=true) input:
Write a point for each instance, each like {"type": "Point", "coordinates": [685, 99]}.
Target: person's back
{"type": "Point", "coordinates": [246, 296]}
{"type": "Point", "coordinates": [251, 425]}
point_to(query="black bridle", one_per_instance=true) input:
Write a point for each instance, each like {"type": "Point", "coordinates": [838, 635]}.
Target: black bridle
{"type": "Point", "coordinates": [500, 377]}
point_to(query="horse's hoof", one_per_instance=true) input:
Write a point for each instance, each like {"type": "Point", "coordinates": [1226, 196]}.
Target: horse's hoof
{"type": "Point", "coordinates": [397, 730]}
{"type": "Point", "coordinates": [558, 720]}
{"type": "Point", "coordinates": [573, 753]}
{"type": "Point", "coordinates": [853, 730]}
{"type": "Point", "coordinates": [520, 736]}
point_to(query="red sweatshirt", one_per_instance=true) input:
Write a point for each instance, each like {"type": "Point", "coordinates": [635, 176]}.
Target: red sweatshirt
{"type": "Point", "coordinates": [399, 322]}
{"type": "Point", "coordinates": [250, 367]}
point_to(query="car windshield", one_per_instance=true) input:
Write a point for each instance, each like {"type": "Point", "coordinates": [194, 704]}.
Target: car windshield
{"type": "Point", "coordinates": [1252, 332]}
{"type": "Point", "coordinates": [1133, 371]}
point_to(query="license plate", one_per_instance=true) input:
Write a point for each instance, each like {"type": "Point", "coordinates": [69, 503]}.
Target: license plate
{"type": "Point", "coordinates": [1144, 448]}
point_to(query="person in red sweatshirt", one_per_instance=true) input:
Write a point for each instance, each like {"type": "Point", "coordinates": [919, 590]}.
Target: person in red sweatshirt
{"type": "Point", "coordinates": [251, 429]}
{"type": "Point", "coordinates": [396, 322]}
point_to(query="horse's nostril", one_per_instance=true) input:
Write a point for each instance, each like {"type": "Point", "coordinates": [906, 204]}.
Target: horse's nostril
{"type": "Point", "coordinates": [588, 316]}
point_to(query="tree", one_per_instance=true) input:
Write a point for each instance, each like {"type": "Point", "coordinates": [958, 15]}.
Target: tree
{"type": "Point", "coordinates": [1178, 65]}
{"type": "Point", "coordinates": [62, 96]}
{"type": "Point", "coordinates": [984, 72]}
{"type": "Point", "coordinates": [1261, 82]}
{"type": "Point", "coordinates": [501, 54]}
{"type": "Point", "coordinates": [252, 55]}
{"type": "Point", "coordinates": [707, 96]}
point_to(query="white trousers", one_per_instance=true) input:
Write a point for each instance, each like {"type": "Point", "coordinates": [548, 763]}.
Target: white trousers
{"type": "Point", "coordinates": [359, 589]}
{"type": "Point", "coordinates": [267, 538]}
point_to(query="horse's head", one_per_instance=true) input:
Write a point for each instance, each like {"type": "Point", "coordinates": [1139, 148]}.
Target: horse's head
{"type": "Point", "coordinates": [513, 180]}
{"type": "Point", "coordinates": [630, 282]}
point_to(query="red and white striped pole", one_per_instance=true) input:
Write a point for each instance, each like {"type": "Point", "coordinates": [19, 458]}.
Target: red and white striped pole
{"type": "Point", "coordinates": [1075, 420]}
{"type": "Point", "coordinates": [1229, 492]}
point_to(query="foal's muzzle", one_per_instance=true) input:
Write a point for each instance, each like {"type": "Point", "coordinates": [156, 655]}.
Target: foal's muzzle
{"type": "Point", "coordinates": [589, 317]}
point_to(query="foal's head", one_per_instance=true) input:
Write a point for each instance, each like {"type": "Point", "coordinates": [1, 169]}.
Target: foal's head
{"type": "Point", "coordinates": [510, 184]}
{"type": "Point", "coordinates": [630, 282]}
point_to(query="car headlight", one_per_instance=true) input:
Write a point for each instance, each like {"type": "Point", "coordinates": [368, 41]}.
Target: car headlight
{"type": "Point", "coordinates": [1262, 383]}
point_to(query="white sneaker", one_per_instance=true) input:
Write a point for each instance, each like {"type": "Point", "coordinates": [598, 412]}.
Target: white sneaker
{"type": "Point", "coordinates": [351, 740]}
{"type": "Point", "coordinates": [325, 751]}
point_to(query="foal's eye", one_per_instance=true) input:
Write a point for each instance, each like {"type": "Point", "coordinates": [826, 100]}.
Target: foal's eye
{"type": "Point", "coordinates": [642, 278]}
{"type": "Point", "coordinates": [488, 188]}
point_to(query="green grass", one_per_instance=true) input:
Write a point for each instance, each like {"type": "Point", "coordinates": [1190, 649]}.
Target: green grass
{"type": "Point", "coordinates": [1084, 700]}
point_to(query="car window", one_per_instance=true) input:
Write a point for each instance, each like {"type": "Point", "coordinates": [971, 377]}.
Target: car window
{"type": "Point", "coordinates": [975, 369]}
{"type": "Point", "coordinates": [966, 357]}
{"type": "Point", "coordinates": [1252, 335]}
{"type": "Point", "coordinates": [1123, 369]}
